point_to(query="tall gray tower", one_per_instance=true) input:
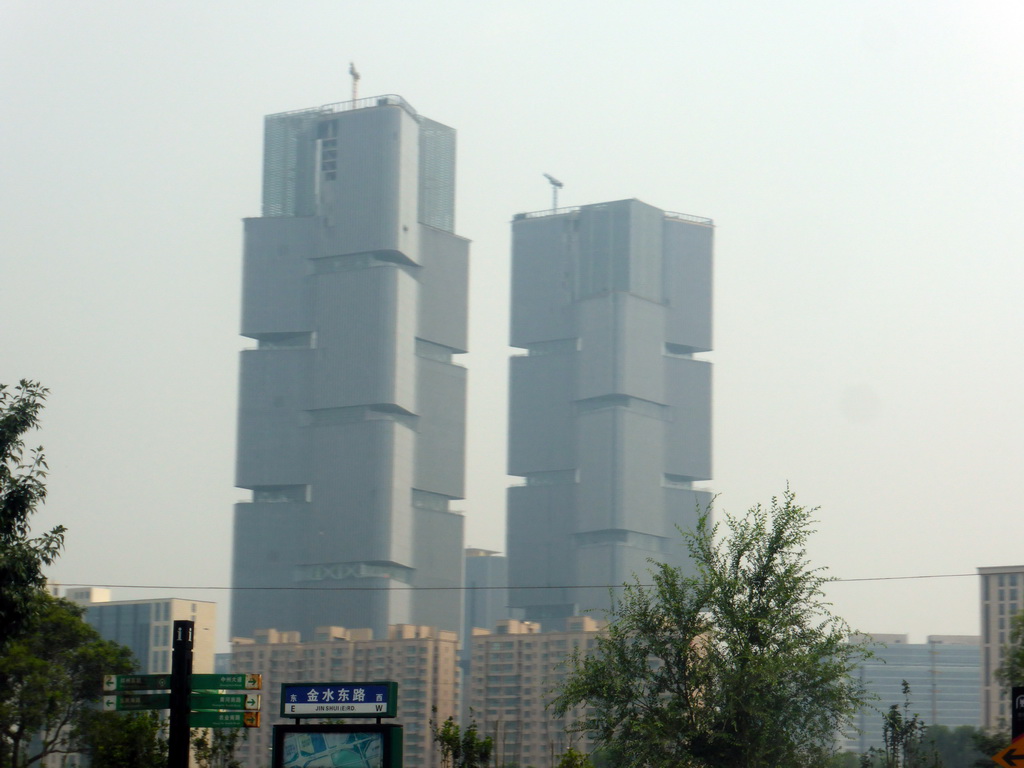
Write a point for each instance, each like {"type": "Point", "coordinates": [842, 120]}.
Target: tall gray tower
{"type": "Point", "coordinates": [351, 425]}
{"type": "Point", "coordinates": [610, 410]}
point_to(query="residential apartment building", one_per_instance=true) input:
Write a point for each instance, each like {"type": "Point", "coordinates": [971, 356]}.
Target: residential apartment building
{"type": "Point", "coordinates": [1002, 596]}
{"type": "Point", "coordinates": [610, 403]}
{"type": "Point", "coordinates": [942, 674]}
{"type": "Point", "coordinates": [422, 660]}
{"type": "Point", "coordinates": [351, 423]}
{"type": "Point", "coordinates": [515, 671]}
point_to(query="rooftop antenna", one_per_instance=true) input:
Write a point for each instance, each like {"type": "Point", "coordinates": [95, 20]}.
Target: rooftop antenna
{"type": "Point", "coordinates": [355, 79]}
{"type": "Point", "coordinates": [555, 186]}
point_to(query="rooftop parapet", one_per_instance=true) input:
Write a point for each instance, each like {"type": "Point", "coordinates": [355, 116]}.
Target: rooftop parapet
{"type": "Point", "coordinates": [688, 218]}
{"type": "Point", "coordinates": [387, 100]}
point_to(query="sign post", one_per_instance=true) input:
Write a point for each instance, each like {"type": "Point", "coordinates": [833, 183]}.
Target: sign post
{"type": "Point", "coordinates": [215, 709]}
{"type": "Point", "coordinates": [113, 683]}
{"type": "Point", "coordinates": [1016, 712]}
{"type": "Point", "coordinates": [181, 676]}
{"type": "Point", "coordinates": [235, 682]}
{"type": "Point", "coordinates": [224, 719]}
{"type": "Point", "coordinates": [1013, 755]}
{"type": "Point", "coordinates": [136, 702]}
{"type": "Point", "coordinates": [229, 701]}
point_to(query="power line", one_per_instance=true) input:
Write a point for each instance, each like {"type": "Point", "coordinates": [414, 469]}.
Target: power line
{"type": "Point", "coordinates": [908, 578]}
{"type": "Point", "coordinates": [462, 588]}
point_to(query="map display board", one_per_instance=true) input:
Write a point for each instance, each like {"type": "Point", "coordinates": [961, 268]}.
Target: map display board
{"type": "Point", "coordinates": [337, 746]}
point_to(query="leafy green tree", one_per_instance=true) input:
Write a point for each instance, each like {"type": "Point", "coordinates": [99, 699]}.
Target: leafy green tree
{"type": "Point", "coordinates": [215, 747]}
{"type": "Point", "coordinates": [904, 739]}
{"type": "Point", "coordinates": [21, 490]}
{"type": "Point", "coordinates": [119, 740]}
{"type": "Point", "coordinates": [50, 676]}
{"type": "Point", "coordinates": [461, 748]}
{"type": "Point", "coordinates": [958, 746]}
{"type": "Point", "coordinates": [573, 758]}
{"type": "Point", "coordinates": [988, 743]}
{"type": "Point", "coordinates": [844, 760]}
{"type": "Point", "coordinates": [738, 663]}
{"type": "Point", "coordinates": [1011, 670]}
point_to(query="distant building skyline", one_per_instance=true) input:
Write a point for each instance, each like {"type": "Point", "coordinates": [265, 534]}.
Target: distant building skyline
{"type": "Point", "coordinates": [609, 406]}
{"type": "Point", "coordinates": [942, 674]}
{"type": "Point", "coordinates": [486, 595]}
{"type": "Point", "coordinates": [351, 420]}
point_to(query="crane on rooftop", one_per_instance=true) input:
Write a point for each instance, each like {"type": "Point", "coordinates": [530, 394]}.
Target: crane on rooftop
{"type": "Point", "coordinates": [555, 186]}
{"type": "Point", "coordinates": [355, 79]}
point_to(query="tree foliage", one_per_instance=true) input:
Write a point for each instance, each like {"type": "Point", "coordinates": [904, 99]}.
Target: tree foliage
{"type": "Point", "coordinates": [738, 662]}
{"type": "Point", "coordinates": [988, 743]}
{"type": "Point", "coordinates": [22, 489]}
{"type": "Point", "coordinates": [904, 741]}
{"type": "Point", "coordinates": [215, 747]}
{"type": "Point", "coordinates": [573, 758]}
{"type": "Point", "coordinates": [461, 748]}
{"type": "Point", "coordinates": [117, 740]}
{"type": "Point", "coordinates": [1011, 669]}
{"type": "Point", "coordinates": [50, 675]}
{"type": "Point", "coordinates": [844, 760]}
{"type": "Point", "coordinates": [959, 746]}
{"type": "Point", "coordinates": [962, 746]}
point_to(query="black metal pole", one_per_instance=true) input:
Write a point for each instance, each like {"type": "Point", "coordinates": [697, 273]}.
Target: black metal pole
{"type": "Point", "coordinates": [181, 686]}
{"type": "Point", "coordinates": [1017, 712]}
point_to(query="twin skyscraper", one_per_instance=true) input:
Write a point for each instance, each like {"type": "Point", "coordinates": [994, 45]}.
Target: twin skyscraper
{"type": "Point", "coordinates": [352, 404]}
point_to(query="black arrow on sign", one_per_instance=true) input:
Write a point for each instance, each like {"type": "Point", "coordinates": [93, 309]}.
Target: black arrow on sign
{"type": "Point", "coordinates": [1013, 757]}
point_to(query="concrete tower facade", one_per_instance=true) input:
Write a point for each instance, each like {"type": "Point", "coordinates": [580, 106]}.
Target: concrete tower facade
{"type": "Point", "coordinates": [351, 426]}
{"type": "Point", "coordinates": [610, 410]}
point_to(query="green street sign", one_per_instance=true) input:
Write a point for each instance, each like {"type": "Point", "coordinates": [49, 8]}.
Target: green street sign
{"type": "Point", "coordinates": [244, 682]}
{"type": "Point", "coordinates": [224, 719]}
{"type": "Point", "coordinates": [249, 701]}
{"type": "Point", "coordinates": [136, 702]}
{"type": "Point", "coordinates": [135, 682]}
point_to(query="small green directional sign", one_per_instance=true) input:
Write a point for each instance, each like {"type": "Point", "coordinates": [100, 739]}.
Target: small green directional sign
{"type": "Point", "coordinates": [135, 682]}
{"type": "Point", "coordinates": [248, 701]}
{"type": "Point", "coordinates": [224, 719]}
{"type": "Point", "coordinates": [243, 681]}
{"type": "Point", "coordinates": [136, 702]}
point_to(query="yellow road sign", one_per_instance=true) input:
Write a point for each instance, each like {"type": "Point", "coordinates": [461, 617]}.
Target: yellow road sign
{"type": "Point", "coordinates": [1012, 756]}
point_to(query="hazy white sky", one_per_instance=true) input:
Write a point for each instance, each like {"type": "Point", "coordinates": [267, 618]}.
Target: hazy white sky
{"type": "Point", "coordinates": [862, 162]}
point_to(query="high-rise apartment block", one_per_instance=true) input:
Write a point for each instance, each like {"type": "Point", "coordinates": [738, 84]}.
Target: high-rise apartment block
{"type": "Point", "coordinates": [422, 660]}
{"type": "Point", "coordinates": [1002, 597]}
{"type": "Point", "coordinates": [351, 424]}
{"type": "Point", "coordinates": [610, 407]}
{"type": "Point", "coordinates": [516, 670]}
{"type": "Point", "coordinates": [942, 674]}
